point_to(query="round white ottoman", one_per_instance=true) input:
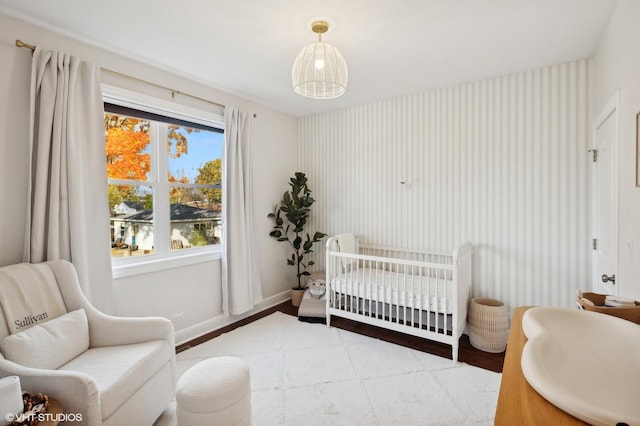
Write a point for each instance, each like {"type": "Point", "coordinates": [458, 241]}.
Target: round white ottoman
{"type": "Point", "coordinates": [216, 391]}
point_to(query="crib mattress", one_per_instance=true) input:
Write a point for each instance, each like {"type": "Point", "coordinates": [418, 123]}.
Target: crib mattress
{"type": "Point", "coordinates": [410, 291]}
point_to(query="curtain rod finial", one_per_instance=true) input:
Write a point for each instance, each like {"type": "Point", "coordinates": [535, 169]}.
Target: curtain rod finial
{"type": "Point", "coordinates": [20, 43]}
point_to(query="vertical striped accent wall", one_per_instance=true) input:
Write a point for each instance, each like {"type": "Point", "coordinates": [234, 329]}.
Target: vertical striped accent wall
{"type": "Point", "coordinates": [501, 162]}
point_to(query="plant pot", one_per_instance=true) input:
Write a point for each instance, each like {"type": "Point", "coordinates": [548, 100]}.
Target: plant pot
{"type": "Point", "coordinates": [296, 296]}
{"type": "Point", "coordinates": [488, 324]}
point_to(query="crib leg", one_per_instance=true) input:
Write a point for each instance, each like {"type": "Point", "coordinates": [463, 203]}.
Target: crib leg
{"type": "Point", "coordinates": [328, 315]}
{"type": "Point", "coordinates": [454, 350]}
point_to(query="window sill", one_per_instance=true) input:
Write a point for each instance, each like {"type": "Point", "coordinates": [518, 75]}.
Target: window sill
{"type": "Point", "coordinates": [150, 264]}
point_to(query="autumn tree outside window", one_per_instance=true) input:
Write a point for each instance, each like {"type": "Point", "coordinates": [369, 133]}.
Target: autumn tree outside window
{"type": "Point", "coordinates": [164, 177]}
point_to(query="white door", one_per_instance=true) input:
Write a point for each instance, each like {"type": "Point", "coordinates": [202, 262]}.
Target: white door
{"type": "Point", "coordinates": [605, 200]}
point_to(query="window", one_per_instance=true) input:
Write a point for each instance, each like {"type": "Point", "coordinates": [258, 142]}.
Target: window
{"type": "Point", "coordinates": [164, 182]}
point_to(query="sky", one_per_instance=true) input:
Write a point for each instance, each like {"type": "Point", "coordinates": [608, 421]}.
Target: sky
{"type": "Point", "coordinates": [203, 146]}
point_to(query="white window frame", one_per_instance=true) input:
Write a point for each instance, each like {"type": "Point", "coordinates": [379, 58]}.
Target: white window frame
{"type": "Point", "coordinates": [164, 258]}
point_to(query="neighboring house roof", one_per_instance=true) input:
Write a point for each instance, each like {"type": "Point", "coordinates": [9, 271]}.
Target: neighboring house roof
{"type": "Point", "coordinates": [128, 207]}
{"type": "Point", "coordinates": [179, 213]}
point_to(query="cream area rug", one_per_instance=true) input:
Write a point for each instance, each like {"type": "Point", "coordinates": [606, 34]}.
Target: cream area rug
{"type": "Point", "coordinates": [311, 374]}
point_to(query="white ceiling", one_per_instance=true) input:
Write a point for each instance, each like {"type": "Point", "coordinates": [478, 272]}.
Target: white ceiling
{"type": "Point", "coordinates": [392, 47]}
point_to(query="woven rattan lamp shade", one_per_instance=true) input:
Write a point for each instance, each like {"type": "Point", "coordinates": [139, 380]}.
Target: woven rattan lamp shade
{"type": "Point", "coordinates": [320, 70]}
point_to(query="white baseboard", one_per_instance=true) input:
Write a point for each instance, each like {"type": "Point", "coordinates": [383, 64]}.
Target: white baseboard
{"type": "Point", "coordinates": [187, 334]}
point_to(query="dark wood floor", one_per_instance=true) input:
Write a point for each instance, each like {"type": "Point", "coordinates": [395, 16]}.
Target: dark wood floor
{"type": "Point", "coordinates": [467, 353]}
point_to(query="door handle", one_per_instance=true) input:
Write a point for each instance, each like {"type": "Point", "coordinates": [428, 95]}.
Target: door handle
{"type": "Point", "coordinates": [611, 279]}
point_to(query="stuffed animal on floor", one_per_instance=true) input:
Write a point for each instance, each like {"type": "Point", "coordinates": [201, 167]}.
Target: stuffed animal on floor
{"type": "Point", "coordinates": [317, 288]}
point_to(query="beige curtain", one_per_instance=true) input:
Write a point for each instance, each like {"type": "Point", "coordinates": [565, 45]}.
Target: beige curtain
{"type": "Point", "coordinates": [241, 288]}
{"type": "Point", "coordinates": [68, 208]}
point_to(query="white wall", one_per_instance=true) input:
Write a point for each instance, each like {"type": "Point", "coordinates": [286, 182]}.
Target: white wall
{"type": "Point", "coordinates": [617, 67]}
{"type": "Point", "coordinates": [195, 290]}
{"type": "Point", "coordinates": [14, 140]}
{"type": "Point", "coordinates": [501, 162]}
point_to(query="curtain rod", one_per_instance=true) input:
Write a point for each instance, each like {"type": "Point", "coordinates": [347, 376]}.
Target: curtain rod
{"type": "Point", "coordinates": [20, 43]}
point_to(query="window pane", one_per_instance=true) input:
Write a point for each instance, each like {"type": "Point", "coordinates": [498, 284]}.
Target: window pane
{"type": "Point", "coordinates": [131, 208]}
{"type": "Point", "coordinates": [195, 218]}
{"type": "Point", "coordinates": [127, 147]}
{"type": "Point", "coordinates": [194, 159]}
{"type": "Point", "coordinates": [195, 155]}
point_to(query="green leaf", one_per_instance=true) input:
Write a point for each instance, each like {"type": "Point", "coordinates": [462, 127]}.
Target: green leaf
{"type": "Point", "coordinates": [290, 262]}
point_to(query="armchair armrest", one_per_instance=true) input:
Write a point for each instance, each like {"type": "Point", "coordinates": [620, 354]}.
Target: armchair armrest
{"type": "Point", "coordinates": [77, 392]}
{"type": "Point", "coordinates": [107, 330]}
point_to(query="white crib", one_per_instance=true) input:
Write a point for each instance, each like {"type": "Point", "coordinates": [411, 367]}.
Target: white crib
{"type": "Point", "coordinates": [421, 293]}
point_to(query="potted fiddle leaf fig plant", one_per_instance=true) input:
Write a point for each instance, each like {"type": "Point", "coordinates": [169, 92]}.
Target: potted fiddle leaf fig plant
{"type": "Point", "coordinates": [290, 217]}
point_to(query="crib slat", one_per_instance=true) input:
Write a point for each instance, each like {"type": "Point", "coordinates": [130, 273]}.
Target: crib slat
{"type": "Point", "coordinates": [420, 300]}
{"type": "Point", "coordinates": [379, 288]}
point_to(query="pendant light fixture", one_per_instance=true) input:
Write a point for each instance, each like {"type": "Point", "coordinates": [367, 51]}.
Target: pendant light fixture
{"type": "Point", "coordinates": [320, 70]}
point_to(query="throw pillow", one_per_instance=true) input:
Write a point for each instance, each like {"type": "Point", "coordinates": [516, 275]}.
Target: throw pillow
{"type": "Point", "coordinates": [49, 345]}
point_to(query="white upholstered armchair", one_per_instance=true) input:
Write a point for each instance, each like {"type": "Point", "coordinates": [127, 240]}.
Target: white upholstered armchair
{"type": "Point", "coordinates": [111, 370]}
